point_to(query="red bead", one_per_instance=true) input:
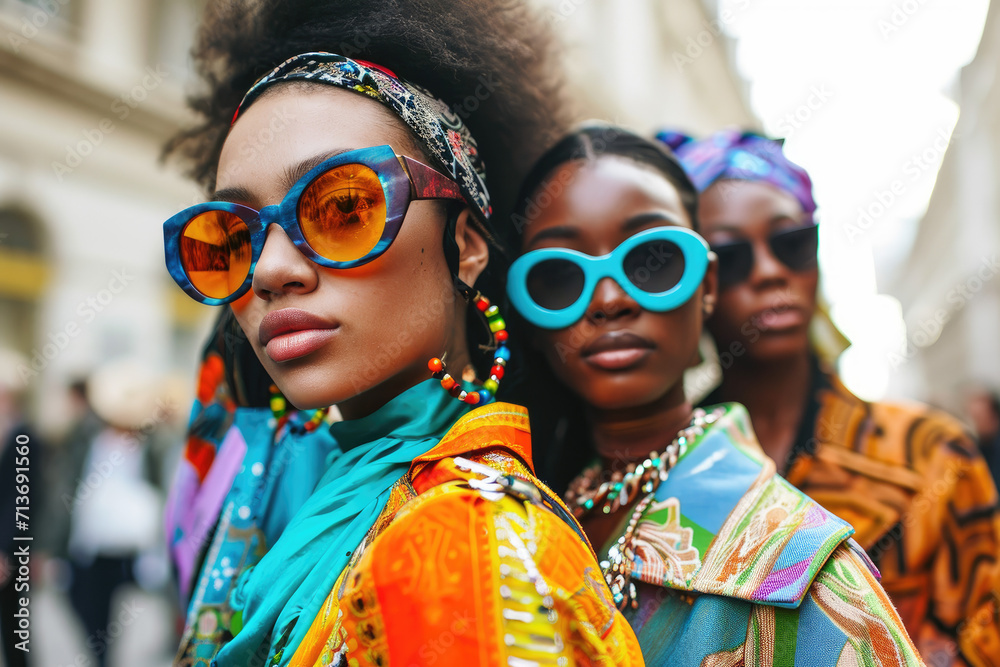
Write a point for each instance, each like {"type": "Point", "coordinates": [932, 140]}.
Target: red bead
{"type": "Point", "coordinates": [455, 390]}
{"type": "Point", "coordinates": [497, 371]}
{"type": "Point", "coordinates": [472, 398]}
{"type": "Point", "coordinates": [483, 304]}
{"type": "Point", "coordinates": [435, 365]}
{"type": "Point", "coordinates": [501, 335]}
{"type": "Point", "coordinates": [447, 382]}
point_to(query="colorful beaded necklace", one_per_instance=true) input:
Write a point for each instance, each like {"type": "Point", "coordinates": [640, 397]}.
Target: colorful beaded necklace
{"type": "Point", "coordinates": [279, 408]}
{"type": "Point", "coordinates": [621, 490]}
{"type": "Point", "coordinates": [586, 492]}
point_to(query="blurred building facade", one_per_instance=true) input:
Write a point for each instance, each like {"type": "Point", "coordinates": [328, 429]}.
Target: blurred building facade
{"type": "Point", "coordinates": [647, 64]}
{"type": "Point", "coordinates": [950, 285]}
{"type": "Point", "coordinates": [89, 92]}
{"type": "Point", "coordinates": [91, 89]}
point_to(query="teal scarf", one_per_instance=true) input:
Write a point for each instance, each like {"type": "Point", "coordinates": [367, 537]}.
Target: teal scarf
{"type": "Point", "coordinates": [280, 596]}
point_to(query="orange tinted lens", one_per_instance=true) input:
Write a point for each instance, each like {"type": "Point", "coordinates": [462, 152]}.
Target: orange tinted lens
{"type": "Point", "coordinates": [215, 253]}
{"type": "Point", "coordinates": [342, 213]}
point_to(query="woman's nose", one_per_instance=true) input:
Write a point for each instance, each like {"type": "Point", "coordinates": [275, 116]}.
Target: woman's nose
{"type": "Point", "coordinates": [766, 267]}
{"type": "Point", "coordinates": [281, 269]}
{"type": "Point", "coordinates": [610, 302]}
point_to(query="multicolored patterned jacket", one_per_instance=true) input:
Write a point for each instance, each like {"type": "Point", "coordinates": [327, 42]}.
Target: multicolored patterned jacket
{"type": "Point", "coordinates": [737, 567]}
{"type": "Point", "coordinates": [920, 496]}
{"type": "Point", "coordinates": [473, 562]}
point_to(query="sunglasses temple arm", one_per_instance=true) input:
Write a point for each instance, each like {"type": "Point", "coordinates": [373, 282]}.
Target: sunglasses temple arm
{"type": "Point", "coordinates": [428, 183]}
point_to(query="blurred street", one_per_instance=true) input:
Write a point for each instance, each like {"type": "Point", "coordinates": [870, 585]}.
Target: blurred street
{"type": "Point", "coordinates": [58, 639]}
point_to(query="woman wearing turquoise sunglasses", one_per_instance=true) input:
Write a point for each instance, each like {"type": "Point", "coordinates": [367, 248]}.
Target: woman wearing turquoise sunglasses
{"type": "Point", "coordinates": [714, 559]}
{"type": "Point", "coordinates": [661, 268]}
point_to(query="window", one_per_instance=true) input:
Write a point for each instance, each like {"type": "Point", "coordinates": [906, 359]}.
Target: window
{"type": "Point", "coordinates": [24, 276]}
{"type": "Point", "coordinates": [28, 18]}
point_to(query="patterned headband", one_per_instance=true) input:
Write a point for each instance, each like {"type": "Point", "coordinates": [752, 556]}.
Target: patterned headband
{"type": "Point", "coordinates": [739, 155]}
{"type": "Point", "coordinates": [442, 133]}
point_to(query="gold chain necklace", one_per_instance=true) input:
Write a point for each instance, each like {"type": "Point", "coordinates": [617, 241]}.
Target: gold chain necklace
{"type": "Point", "coordinates": [587, 492]}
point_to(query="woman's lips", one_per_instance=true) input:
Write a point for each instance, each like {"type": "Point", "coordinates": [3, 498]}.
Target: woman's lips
{"type": "Point", "coordinates": [297, 344]}
{"type": "Point", "coordinates": [291, 333]}
{"type": "Point", "coordinates": [617, 350]}
{"type": "Point", "coordinates": [779, 319]}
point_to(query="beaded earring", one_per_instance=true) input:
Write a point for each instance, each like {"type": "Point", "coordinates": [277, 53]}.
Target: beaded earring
{"type": "Point", "coordinates": [279, 408]}
{"type": "Point", "coordinates": [498, 329]}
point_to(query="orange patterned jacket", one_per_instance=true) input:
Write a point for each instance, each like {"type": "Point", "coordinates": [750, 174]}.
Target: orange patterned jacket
{"type": "Point", "coordinates": [473, 562]}
{"type": "Point", "coordinates": [912, 483]}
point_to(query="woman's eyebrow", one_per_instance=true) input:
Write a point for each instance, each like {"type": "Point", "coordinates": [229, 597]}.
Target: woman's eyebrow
{"type": "Point", "coordinates": [653, 216]}
{"type": "Point", "coordinates": [563, 232]}
{"type": "Point", "coordinates": [236, 195]}
{"type": "Point", "coordinates": [242, 195]}
{"type": "Point", "coordinates": [293, 174]}
{"type": "Point", "coordinates": [727, 228]}
{"type": "Point", "coordinates": [785, 217]}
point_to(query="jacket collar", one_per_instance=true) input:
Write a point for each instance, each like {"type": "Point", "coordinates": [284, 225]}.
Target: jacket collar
{"type": "Point", "coordinates": [724, 523]}
{"type": "Point", "coordinates": [497, 427]}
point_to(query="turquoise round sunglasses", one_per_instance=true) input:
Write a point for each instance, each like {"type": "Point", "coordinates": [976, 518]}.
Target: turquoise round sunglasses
{"type": "Point", "coordinates": [660, 268]}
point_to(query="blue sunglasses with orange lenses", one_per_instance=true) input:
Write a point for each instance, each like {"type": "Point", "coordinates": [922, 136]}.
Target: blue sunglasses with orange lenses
{"type": "Point", "coordinates": [660, 268]}
{"type": "Point", "coordinates": [343, 213]}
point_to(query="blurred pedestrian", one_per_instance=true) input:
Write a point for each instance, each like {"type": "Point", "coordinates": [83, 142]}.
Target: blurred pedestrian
{"type": "Point", "coordinates": [63, 469]}
{"type": "Point", "coordinates": [982, 406]}
{"type": "Point", "coordinates": [115, 509]}
{"type": "Point", "coordinates": [18, 449]}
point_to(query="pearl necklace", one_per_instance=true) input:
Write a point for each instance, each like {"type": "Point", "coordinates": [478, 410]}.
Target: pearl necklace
{"type": "Point", "coordinates": [586, 492]}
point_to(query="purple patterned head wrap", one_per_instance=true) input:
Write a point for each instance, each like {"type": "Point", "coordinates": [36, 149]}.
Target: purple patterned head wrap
{"type": "Point", "coordinates": [738, 155]}
{"type": "Point", "coordinates": [441, 132]}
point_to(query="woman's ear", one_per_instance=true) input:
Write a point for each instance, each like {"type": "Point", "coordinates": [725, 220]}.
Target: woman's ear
{"type": "Point", "coordinates": [710, 285]}
{"type": "Point", "coordinates": [473, 249]}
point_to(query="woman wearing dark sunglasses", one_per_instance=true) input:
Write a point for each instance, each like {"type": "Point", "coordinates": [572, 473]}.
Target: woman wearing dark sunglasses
{"type": "Point", "coordinates": [907, 478]}
{"type": "Point", "coordinates": [350, 247]}
{"type": "Point", "coordinates": [714, 559]}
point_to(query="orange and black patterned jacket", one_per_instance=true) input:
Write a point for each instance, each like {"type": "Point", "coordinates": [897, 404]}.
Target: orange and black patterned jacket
{"type": "Point", "coordinates": [920, 496]}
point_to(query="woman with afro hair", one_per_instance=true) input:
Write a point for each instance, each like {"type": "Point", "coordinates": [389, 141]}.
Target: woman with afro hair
{"type": "Point", "coordinates": [348, 240]}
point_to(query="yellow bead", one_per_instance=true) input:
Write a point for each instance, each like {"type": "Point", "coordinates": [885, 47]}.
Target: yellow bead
{"type": "Point", "coordinates": [491, 386]}
{"type": "Point", "coordinates": [497, 324]}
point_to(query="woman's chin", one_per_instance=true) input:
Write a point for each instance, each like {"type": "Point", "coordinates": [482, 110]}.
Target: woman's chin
{"type": "Point", "coordinates": [312, 392]}
{"type": "Point", "coordinates": [779, 347]}
{"type": "Point", "coordinates": [309, 401]}
{"type": "Point", "coordinates": [620, 397]}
